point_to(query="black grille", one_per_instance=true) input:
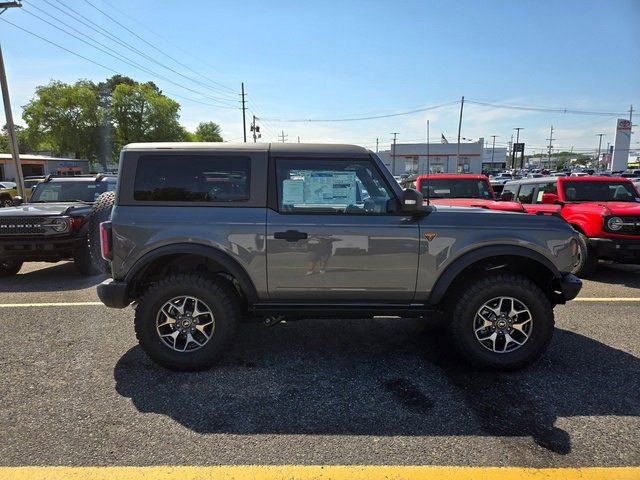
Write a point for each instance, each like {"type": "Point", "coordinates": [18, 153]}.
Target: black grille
{"type": "Point", "coordinates": [21, 225]}
{"type": "Point", "coordinates": [631, 227]}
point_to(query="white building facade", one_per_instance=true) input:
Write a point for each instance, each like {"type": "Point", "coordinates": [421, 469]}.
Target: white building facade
{"type": "Point", "coordinates": [412, 158]}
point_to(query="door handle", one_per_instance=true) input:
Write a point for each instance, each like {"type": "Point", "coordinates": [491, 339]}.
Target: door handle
{"type": "Point", "coordinates": [290, 235]}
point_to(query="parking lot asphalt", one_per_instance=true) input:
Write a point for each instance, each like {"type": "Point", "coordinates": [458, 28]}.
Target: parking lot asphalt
{"type": "Point", "coordinates": [77, 390]}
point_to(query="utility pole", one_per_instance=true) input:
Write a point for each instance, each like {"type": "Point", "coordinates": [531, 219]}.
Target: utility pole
{"type": "Point", "coordinates": [600, 145]}
{"type": "Point", "coordinates": [493, 149]}
{"type": "Point", "coordinates": [631, 115]}
{"type": "Point", "coordinates": [298, 138]}
{"type": "Point", "coordinates": [459, 130]}
{"type": "Point", "coordinates": [393, 153]}
{"type": "Point", "coordinates": [510, 149]}
{"type": "Point", "coordinates": [513, 159]}
{"type": "Point", "coordinates": [4, 86]}
{"type": "Point", "coordinates": [376, 144]}
{"type": "Point", "coordinates": [282, 137]}
{"type": "Point", "coordinates": [244, 110]}
{"type": "Point", "coordinates": [550, 147]}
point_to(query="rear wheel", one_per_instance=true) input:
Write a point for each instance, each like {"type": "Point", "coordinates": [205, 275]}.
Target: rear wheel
{"type": "Point", "coordinates": [502, 321]}
{"type": "Point", "coordinates": [9, 268]}
{"type": "Point", "coordinates": [186, 321]}
{"type": "Point", "coordinates": [587, 260]}
{"type": "Point", "coordinates": [6, 202]}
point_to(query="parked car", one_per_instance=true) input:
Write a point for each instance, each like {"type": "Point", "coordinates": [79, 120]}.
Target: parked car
{"type": "Point", "coordinates": [195, 264]}
{"type": "Point", "coordinates": [9, 190]}
{"type": "Point", "coordinates": [462, 190]}
{"type": "Point", "coordinates": [604, 210]}
{"type": "Point", "coordinates": [55, 225]}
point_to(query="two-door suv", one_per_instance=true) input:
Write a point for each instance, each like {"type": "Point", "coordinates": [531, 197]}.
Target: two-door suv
{"type": "Point", "coordinates": [462, 190]}
{"type": "Point", "coordinates": [605, 211]}
{"type": "Point", "coordinates": [55, 225]}
{"type": "Point", "coordinates": [203, 235]}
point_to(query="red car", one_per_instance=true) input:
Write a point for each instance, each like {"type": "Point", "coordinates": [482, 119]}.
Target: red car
{"type": "Point", "coordinates": [463, 190]}
{"type": "Point", "coordinates": [604, 210]}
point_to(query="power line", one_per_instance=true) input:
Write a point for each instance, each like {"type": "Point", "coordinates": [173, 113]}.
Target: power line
{"type": "Point", "coordinates": [355, 119]}
{"type": "Point", "coordinates": [87, 58]}
{"type": "Point", "coordinates": [151, 45]}
{"type": "Point", "coordinates": [543, 109]}
{"type": "Point", "coordinates": [118, 56]}
{"type": "Point", "coordinates": [78, 17]}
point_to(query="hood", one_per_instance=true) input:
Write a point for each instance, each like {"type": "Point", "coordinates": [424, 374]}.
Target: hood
{"type": "Point", "coordinates": [608, 208]}
{"type": "Point", "coordinates": [41, 209]}
{"type": "Point", "coordinates": [479, 202]}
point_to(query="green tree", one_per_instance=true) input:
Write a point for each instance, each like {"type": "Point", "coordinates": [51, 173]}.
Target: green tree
{"type": "Point", "coordinates": [65, 117]}
{"type": "Point", "coordinates": [140, 113]}
{"type": "Point", "coordinates": [24, 143]}
{"type": "Point", "coordinates": [208, 132]}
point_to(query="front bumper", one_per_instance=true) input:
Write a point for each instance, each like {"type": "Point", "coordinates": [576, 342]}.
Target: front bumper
{"type": "Point", "coordinates": [570, 286]}
{"type": "Point", "coordinates": [617, 250]}
{"type": "Point", "coordinates": [40, 248]}
{"type": "Point", "coordinates": [113, 293]}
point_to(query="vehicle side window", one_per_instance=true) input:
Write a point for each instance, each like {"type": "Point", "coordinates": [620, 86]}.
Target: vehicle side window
{"type": "Point", "coordinates": [548, 187]}
{"type": "Point", "coordinates": [526, 193]}
{"type": "Point", "coordinates": [192, 178]}
{"type": "Point", "coordinates": [332, 186]}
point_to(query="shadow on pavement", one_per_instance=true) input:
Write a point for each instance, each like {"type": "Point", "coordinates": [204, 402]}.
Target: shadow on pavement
{"type": "Point", "coordinates": [617, 274]}
{"type": "Point", "coordinates": [382, 377]}
{"type": "Point", "coordinates": [61, 276]}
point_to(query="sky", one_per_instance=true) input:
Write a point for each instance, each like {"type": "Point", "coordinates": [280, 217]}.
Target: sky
{"type": "Point", "coordinates": [336, 60]}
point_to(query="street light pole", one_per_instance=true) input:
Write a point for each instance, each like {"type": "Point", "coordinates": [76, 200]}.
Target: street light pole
{"type": "Point", "coordinates": [513, 158]}
{"type": "Point", "coordinates": [599, 145]}
{"type": "Point", "coordinates": [493, 150]}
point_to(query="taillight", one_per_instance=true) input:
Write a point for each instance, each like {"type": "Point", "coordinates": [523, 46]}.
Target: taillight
{"type": "Point", "coordinates": [106, 242]}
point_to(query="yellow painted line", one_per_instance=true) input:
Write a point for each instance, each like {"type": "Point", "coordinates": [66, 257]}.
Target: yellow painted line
{"type": "Point", "coordinates": [50, 304]}
{"type": "Point", "coordinates": [295, 472]}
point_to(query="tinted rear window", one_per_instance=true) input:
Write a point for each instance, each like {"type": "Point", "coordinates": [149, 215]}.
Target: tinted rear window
{"type": "Point", "coordinates": [192, 178]}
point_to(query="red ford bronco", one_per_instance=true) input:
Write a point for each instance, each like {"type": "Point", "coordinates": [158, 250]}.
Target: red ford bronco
{"type": "Point", "coordinates": [462, 190]}
{"type": "Point", "coordinates": [604, 210]}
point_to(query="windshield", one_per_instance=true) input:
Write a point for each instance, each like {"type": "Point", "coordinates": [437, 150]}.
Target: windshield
{"type": "Point", "coordinates": [600, 192]}
{"type": "Point", "coordinates": [455, 188]}
{"type": "Point", "coordinates": [70, 191]}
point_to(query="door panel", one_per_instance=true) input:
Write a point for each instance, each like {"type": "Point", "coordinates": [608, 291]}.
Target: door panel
{"type": "Point", "coordinates": [342, 257]}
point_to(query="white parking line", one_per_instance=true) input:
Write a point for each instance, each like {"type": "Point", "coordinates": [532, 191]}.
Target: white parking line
{"type": "Point", "coordinates": [51, 304]}
{"type": "Point", "coordinates": [98, 304]}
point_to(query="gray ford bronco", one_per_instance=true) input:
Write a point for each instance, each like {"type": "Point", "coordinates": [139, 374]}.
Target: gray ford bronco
{"type": "Point", "coordinates": [205, 235]}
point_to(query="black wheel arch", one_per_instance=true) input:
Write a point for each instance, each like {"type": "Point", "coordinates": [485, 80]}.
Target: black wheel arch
{"type": "Point", "coordinates": [484, 254]}
{"type": "Point", "coordinates": [226, 261]}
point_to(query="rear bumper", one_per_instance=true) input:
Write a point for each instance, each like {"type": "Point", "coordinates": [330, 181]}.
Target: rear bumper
{"type": "Point", "coordinates": [617, 250]}
{"type": "Point", "coordinates": [570, 286]}
{"type": "Point", "coordinates": [113, 293]}
{"type": "Point", "coordinates": [40, 249]}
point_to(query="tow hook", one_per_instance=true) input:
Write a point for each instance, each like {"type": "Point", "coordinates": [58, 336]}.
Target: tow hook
{"type": "Point", "coordinates": [273, 320]}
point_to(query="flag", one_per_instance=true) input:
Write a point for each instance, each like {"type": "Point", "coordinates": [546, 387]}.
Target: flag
{"type": "Point", "coordinates": [443, 139]}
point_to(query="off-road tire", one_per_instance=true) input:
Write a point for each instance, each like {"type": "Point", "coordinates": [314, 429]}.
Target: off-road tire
{"type": "Point", "coordinates": [219, 297]}
{"type": "Point", "coordinates": [100, 212]}
{"type": "Point", "coordinates": [472, 296]}
{"type": "Point", "coordinates": [83, 261]}
{"type": "Point", "coordinates": [588, 263]}
{"type": "Point", "coordinates": [9, 268]}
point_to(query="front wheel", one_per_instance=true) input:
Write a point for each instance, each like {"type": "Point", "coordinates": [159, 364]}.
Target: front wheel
{"type": "Point", "coordinates": [186, 321]}
{"type": "Point", "coordinates": [587, 261]}
{"type": "Point", "coordinates": [501, 321]}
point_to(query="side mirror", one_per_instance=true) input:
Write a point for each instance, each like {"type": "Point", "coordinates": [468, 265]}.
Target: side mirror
{"type": "Point", "coordinates": [17, 201]}
{"type": "Point", "coordinates": [411, 201]}
{"type": "Point", "coordinates": [506, 196]}
{"type": "Point", "coordinates": [549, 198]}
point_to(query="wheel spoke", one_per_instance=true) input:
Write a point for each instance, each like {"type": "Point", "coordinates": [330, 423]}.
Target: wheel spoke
{"type": "Point", "coordinates": [185, 323]}
{"type": "Point", "coordinates": [503, 324]}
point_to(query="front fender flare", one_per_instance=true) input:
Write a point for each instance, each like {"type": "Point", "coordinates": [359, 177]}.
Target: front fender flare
{"type": "Point", "coordinates": [459, 264]}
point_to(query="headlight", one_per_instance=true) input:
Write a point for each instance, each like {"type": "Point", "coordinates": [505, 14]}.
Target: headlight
{"type": "Point", "coordinates": [60, 225]}
{"type": "Point", "coordinates": [615, 223]}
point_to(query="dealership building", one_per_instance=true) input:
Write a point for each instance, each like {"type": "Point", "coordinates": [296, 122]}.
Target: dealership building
{"type": "Point", "coordinates": [412, 158]}
{"type": "Point", "coordinates": [41, 165]}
